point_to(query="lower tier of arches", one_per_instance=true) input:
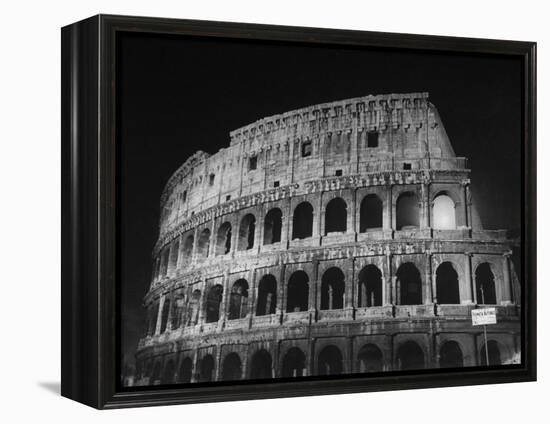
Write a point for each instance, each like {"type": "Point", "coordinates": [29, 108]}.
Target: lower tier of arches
{"type": "Point", "coordinates": [265, 355]}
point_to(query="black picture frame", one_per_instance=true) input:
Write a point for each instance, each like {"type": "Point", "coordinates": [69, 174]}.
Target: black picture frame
{"type": "Point", "coordinates": [90, 341]}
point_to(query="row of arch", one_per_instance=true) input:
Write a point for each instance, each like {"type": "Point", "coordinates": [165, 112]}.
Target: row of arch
{"type": "Point", "coordinates": [330, 361]}
{"type": "Point", "coordinates": [332, 296]}
{"type": "Point", "coordinates": [370, 218]}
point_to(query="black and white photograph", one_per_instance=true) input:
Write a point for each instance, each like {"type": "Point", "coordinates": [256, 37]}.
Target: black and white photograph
{"type": "Point", "coordinates": [279, 212]}
{"type": "Point", "coordinates": [291, 211]}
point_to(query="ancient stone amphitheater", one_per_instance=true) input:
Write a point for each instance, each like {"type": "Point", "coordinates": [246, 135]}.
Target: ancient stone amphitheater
{"type": "Point", "coordinates": [338, 238]}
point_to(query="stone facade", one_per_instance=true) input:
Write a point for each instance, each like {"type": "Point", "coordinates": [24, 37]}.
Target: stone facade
{"type": "Point", "coordinates": [337, 238]}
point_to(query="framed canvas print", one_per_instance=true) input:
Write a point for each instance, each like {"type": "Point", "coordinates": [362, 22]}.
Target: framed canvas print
{"type": "Point", "coordinates": [256, 211]}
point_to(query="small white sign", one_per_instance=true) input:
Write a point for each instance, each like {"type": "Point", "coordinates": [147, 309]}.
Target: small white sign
{"type": "Point", "coordinates": [484, 316]}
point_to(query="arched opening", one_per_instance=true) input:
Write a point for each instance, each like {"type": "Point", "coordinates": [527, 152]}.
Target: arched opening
{"type": "Point", "coordinates": [238, 301]}
{"type": "Point", "coordinates": [193, 308]}
{"type": "Point", "coordinates": [272, 226]}
{"type": "Point", "coordinates": [267, 295]}
{"type": "Point", "coordinates": [450, 355]}
{"type": "Point", "coordinates": [213, 302]}
{"type": "Point", "coordinates": [260, 365]}
{"type": "Point", "coordinates": [294, 363]}
{"type": "Point", "coordinates": [165, 315]}
{"type": "Point", "coordinates": [204, 243]}
{"type": "Point", "coordinates": [370, 287]}
{"type": "Point", "coordinates": [485, 285]}
{"type": "Point", "coordinates": [246, 232]}
{"type": "Point", "coordinates": [370, 359]}
{"type": "Point", "coordinates": [409, 285]}
{"type": "Point", "coordinates": [298, 292]}
{"type": "Point", "coordinates": [332, 289]}
{"type": "Point", "coordinates": [155, 378]}
{"type": "Point", "coordinates": [188, 248]}
{"type": "Point", "coordinates": [410, 356]}
{"type": "Point", "coordinates": [169, 373]}
{"type": "Point", "coordinates": [302, 221]}
{"type": "Point", "coordinates": [206, 369]}
{"type": "Point", "coordinates": [447, 287]}
{"type": "Point", "coordinates": [444, 217]}
{"type": "Point", "coordinates": [223, 239]}
{"type": "Point", "coordinates": [330, 361]}
{"type": "Point", "coordinates": [186, 371]}
{"type": "Point", "coordinates": [232, 367]}
{"type": "Point", "coordinates": [336, 216]}
{"type": "Point", "coordinates": [407, 215]}
{"type": "Point", "coordinates": [370, 213]}
{"type": "Point", "coordinates": [494, 354]}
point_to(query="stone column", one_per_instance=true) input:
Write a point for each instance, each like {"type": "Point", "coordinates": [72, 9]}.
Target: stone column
{"type": "Point", "coordinates": [314, 291]}
{"type": "Point", "coordinates": [170, 309]}
{"type": "Point", "coordinates": [286, 224]}
{"type": "Point", "coordinates": [224, 306]}
{"type": "Point", "coordinates": [387, 219]}
{"type": "Point", "coordinates": [252, 296]}
{"type": "Point", "coordinates": [349, 284]}
{"type": "Point", "coordinates": [281, 304]}
{"type": "Point", "coordinates": [259, 230]}
{"type": "Point", "coordinates": [506, 287]}
{"type": "Point", "coordinates": [195, 244]}
{"type": "Point", "coordinates": [388, 282]}
{"type": "Point", "coordinates": [318, 227]}
{"type": "Point", "coordinates": [202, 302]}
{"type": "Point", "coordinates": [430, 292]}
{"type": "Point", "coordinates": [159, 315]}
{"type": "Point", "coordinates": [425, 201]}
{"type": "Point", "coordinates": [352, 213]}
{"type": "Point", "coordinates": [468, 203]}
{"type": "Point", "coordinates": [468, 286]}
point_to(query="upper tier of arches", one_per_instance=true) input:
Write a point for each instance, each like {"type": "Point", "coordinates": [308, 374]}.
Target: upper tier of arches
{"type": "Point", "coordinates": [353, 136]}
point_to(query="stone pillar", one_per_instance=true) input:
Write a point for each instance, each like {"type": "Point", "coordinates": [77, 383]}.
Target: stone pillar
{"type": "Point", "coordinates": [388, 282]}
{"type": "Point", "coordinates": [224, 306]}
{"type": "Point", "coordinates": [314, 291]}
{"type": "Point", "coordinates": [468, 280]}
{"type": "Point", "coordinates": [430, 292]}
{"type": "Point", "coordinates": [387, 219]}
{"type": "Point", "coordinates": [352, 213]}
{"type": "Point", "coordinates": [395, 291]}
{"type": "Point", "coordinates": [212, 242]}
{"type": "Point", "coordinates": [286, 224]}
{"type": "Point", "coordinates": [159, 315]}
{"type": "Point", "coordinates": [281, 303]}
{"type": "Point", "coordinates": [252, 296]}
{"type": "Point", "coordinates": [506, 286]}
{"type": "Point", "coordinates": [202, 302]}
{"type": "Point", "coordinates": [425, 202]}
{"type": "Point", "coordinates": [318, 218]}
{"type": "Point", "coordinates": [195, 244]}
{"type": "Point", "coordinates": [349, 284]}
{"type": "Point", "coordinates": [259, 231]}
{"type": "Point", "coordinates": [170, 309]}
{"type": "Point", "coordinates": [468, 203]}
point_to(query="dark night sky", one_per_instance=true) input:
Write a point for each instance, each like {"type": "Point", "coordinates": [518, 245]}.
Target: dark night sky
{"type": "Point", "coordinates": [178, 95]}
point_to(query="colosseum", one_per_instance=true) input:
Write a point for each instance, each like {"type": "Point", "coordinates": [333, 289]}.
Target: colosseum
{"type": "Point", "coordinates": [338, 238]}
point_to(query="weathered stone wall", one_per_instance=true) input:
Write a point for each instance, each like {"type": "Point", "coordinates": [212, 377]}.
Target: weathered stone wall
{"type": "Point", "coordinates": [408, 267]}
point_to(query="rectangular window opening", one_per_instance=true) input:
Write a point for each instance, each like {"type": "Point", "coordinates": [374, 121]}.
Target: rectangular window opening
{"type": "Point", "coordinates": [372, 139]}
{"type": "Point", "coordinates": [252, 163]}
{"type": "Point", "coordinates": [338, 173]}
{"type": "Point", "coordinates": [276, 184]}
{"type": "Point", "coordinates": [228, 198]}
{"type": "Point", "coordinates": [306, 148]}
{"type": "Point", "coordinates": [407, 166]}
